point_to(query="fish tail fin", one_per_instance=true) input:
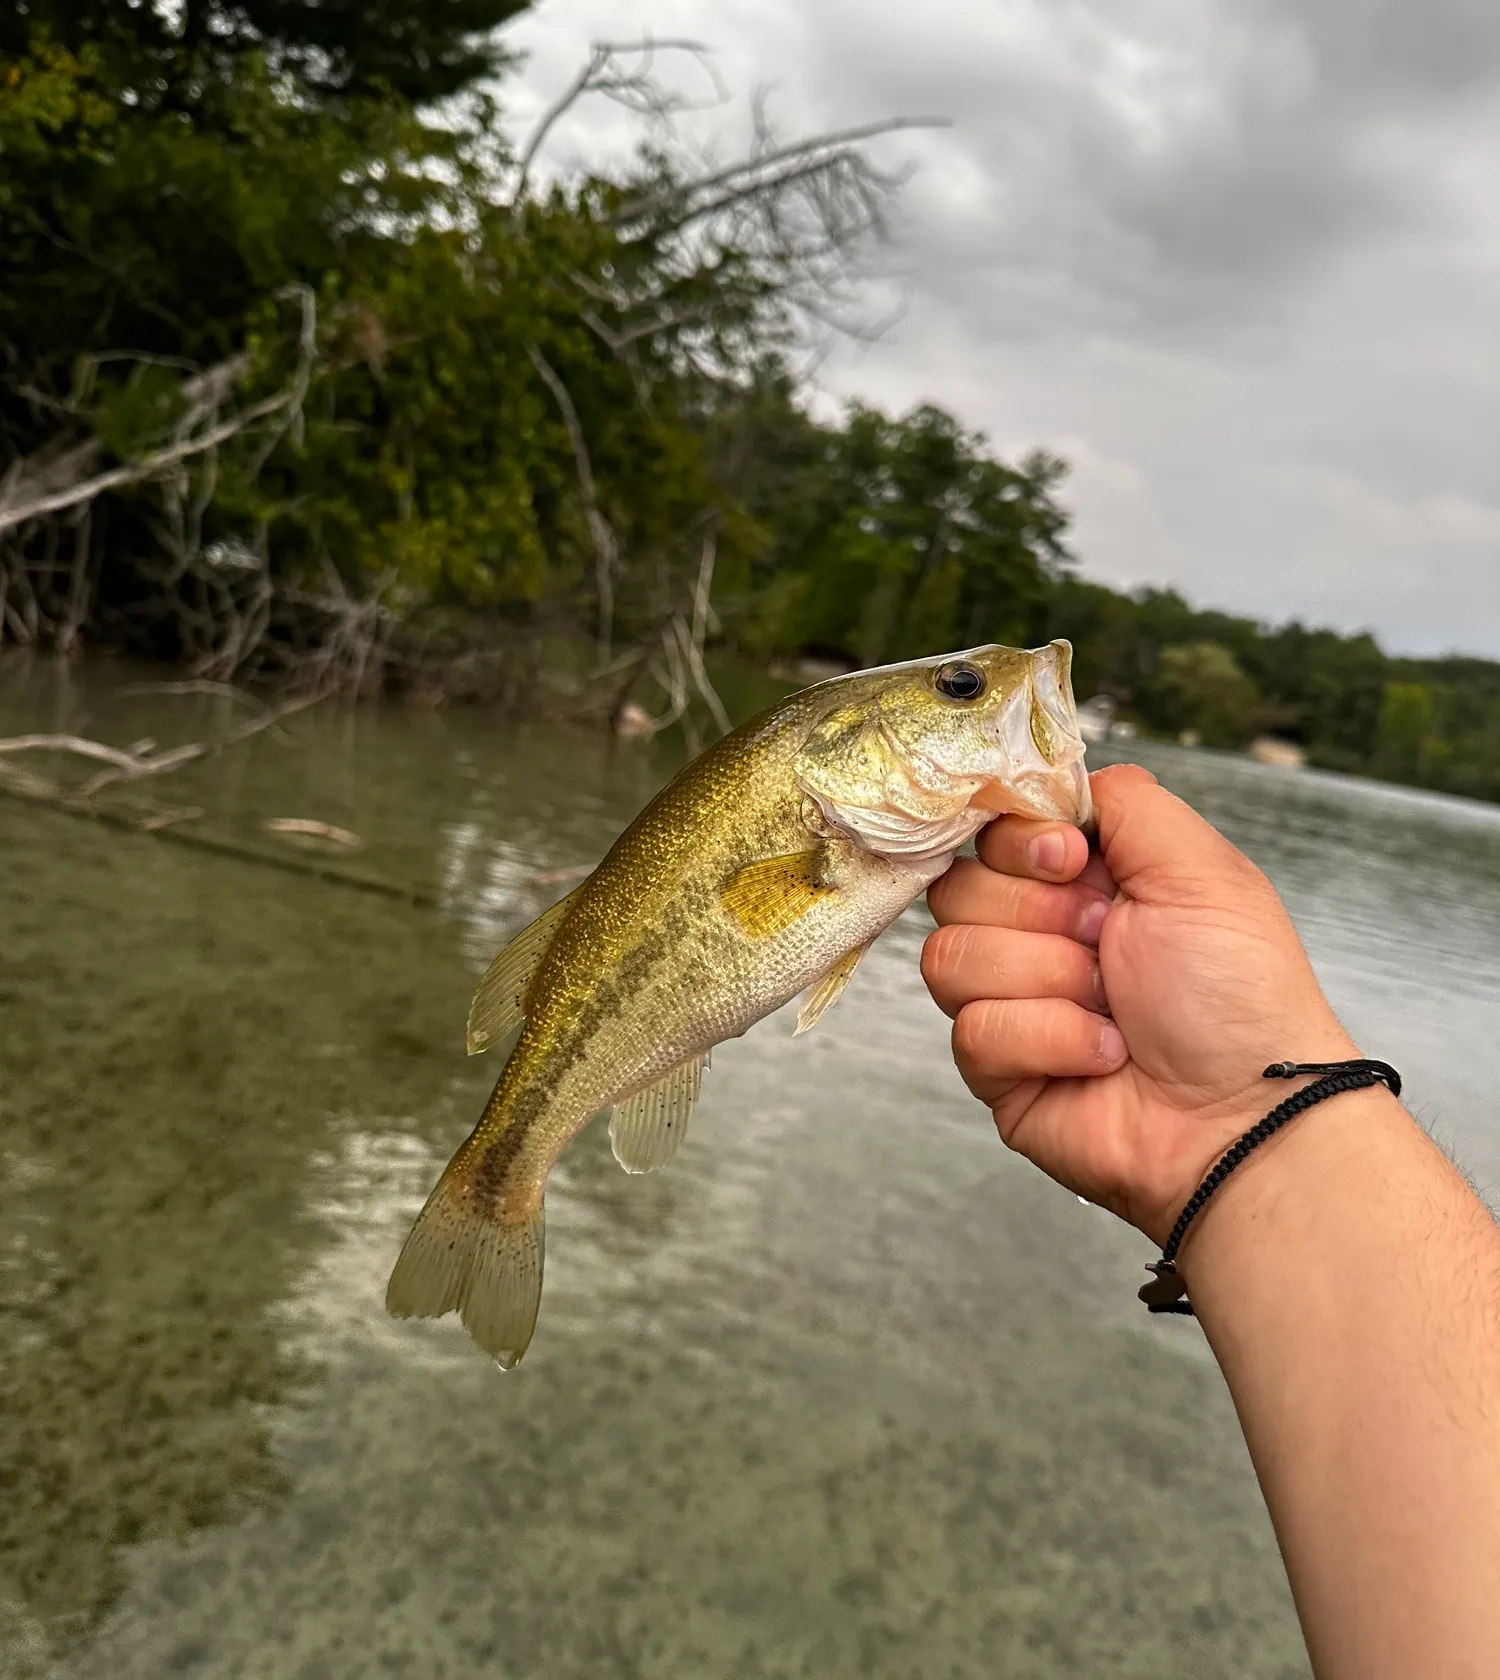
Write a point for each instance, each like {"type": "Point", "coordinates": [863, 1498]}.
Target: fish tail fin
{"type": "Point", "coordinates": [464, 1253]}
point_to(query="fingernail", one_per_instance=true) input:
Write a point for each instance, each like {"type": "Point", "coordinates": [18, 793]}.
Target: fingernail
{"type": "Point", "coordinates": [1048, 853]}
{"type": "Point", "coordinates": [1091, 922]}
{"type": "Point", "coordinates": [1111, 1044]}
{"type": "Point", "coordinates": [1101, 1002]}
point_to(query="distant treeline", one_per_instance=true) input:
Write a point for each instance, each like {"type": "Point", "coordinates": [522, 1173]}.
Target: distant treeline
{"type": "Point", "coordinates": [306, 376]}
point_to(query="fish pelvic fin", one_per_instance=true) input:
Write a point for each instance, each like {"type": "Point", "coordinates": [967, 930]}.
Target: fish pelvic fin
{"type": "Point", "coordinates": [772, 894]}
{"type": "Point", "coordinates": [467, 1252]}
{"type": "Point", "coordinates": [821, 997]}
{"type": "Point", "coordinates": [647, 1129]}
{"type": "Point", "coordinates": [499, 1005]}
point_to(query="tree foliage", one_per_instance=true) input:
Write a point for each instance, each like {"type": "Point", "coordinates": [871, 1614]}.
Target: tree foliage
{"type": "Point", "coordinates": [306, 372]}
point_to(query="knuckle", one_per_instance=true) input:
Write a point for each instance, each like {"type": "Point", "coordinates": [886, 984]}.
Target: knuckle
{"type": "Point", "coordinates": [975, 1035]}
{"type": "Point", "coordinates": [1062, 1032]}
{"type": "Point", "coordinates": [938, 953]}
{"type": "Point", "coordinates": [1117, 776]}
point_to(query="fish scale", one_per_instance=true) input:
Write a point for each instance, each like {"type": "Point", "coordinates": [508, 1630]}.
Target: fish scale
{"type": "Point", "coordinates": [764, 867]}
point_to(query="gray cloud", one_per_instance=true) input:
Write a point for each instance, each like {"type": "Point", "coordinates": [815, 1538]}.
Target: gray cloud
{"type": "Point", "coordinates": [1237, 258]}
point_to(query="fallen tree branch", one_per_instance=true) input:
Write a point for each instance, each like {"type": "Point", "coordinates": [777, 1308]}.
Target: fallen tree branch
{"type": "Point", "coordinates": [176, 758]}
{"type": "Point", "coordinates": [78, 744]}
{"type": "Point", "coordinates": [165, 819]}
{"type": "Point", "coordinates": [127, 765]}
{"type": "Point", "coordinates": [311, 829]}
{"type": "Point", "coordinates": [194, 685]}
{"type": "Point", "coordinates": [287, 862]}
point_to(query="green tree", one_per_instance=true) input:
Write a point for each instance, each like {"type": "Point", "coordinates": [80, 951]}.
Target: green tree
{"type": "Point", "coordinates": [1407, 718]}
{"type": "Point", "coordinates": [326, 49]}
{"type": "Point", "coordinates": [1201, 687]}
{"type": "Point", "coordinates": [889, 538]}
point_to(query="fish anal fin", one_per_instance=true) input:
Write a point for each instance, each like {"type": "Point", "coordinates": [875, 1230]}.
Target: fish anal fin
{"type": "Point", "coordinates": [772, 894]}
{"type": "Point", "coordinates": [647, 1130]}
{"type": "Point", "coordinates": [464, 1253]}
{"type": "Point", "coordinates": [499, 1005]}
{"type": "Point", "coordinates": [821, 996]}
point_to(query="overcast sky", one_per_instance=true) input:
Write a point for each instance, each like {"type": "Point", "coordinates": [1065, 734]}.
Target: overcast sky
{"type": "Point", "coordinates": [1237, 260]}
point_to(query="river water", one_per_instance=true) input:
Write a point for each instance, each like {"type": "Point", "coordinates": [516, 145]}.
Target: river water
{"type": "Point", "coordinates": [846, 1391]}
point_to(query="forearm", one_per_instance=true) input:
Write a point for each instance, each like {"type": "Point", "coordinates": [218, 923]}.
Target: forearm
{"type": "Point", "coordinates": [1349, 1283]}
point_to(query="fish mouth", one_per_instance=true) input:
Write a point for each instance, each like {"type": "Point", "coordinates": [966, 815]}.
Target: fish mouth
{"type": "Point", "coordinates": [1042, 774]}
{"type": "Point", "coordinates": [1051, 794]}
{"type": "Point", "coordinates": [1086, 819]}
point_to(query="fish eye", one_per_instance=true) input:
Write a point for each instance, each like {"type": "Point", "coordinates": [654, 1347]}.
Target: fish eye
{"type": "Point", "coordinates": [960, 681]}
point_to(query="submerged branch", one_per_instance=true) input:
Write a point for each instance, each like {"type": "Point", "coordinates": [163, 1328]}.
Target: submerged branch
{"type": "Point", "coordinates": [131, 765]}
{"type": "Point", "coordinates": [286, 861]}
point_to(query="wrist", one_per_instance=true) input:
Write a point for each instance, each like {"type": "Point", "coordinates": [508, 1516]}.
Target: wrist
{"type": "Point", "coordinates": [1218, 1126]}
{"type": "Point", "coordinates": [1293, 1193]}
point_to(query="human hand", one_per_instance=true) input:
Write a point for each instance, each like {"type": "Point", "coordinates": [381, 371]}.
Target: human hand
{"type": "Point", "coordinates": [1116, 1012]}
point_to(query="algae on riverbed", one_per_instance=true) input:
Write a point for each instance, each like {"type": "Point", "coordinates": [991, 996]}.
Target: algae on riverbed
{"type": "Point", "coordinates": [848, 1391]}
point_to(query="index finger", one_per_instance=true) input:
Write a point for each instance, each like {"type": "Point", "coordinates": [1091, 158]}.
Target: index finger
{"type": "Point", "coordinates": [1042, 851]}
{"type": "Point", "coordinates": [971, 892]}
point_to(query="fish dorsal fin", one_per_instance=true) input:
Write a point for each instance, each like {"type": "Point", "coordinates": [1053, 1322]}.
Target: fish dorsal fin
{"type": "Point", "coordinates": [819, 998]}
{"type": "Point", "coordinates": [647, 1129]}
{"type": "Point", "coordinates": [499, 1005]}
{"type": "Point", "coordinates": [769, 896]}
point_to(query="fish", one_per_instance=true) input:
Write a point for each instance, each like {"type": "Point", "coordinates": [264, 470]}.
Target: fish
{"type": "Point", "coordinates": [764, 869]}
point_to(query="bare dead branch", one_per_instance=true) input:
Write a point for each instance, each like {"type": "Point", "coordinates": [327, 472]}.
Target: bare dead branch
{"type": "Point", "coordinates": [606, 71]}
{"type": "Point", "coordinates": [194, 685]}
{"type": "Point", "coordinates": [168, 819]}
{"type": "Point", "coordinates": [204, 394]}
{"type": "Point", "coordinates": [134, 471]}
{"type": "Point", "coordinates": [737, 179]}
{"type": "Point", "coordinates": [606, 549]}
{"type": "Point", "coordinates": [693, 644]}
{"type": "Point", "coordinates": [310, 828]}
{"type": "Point", "coordinates": [126, 765]}
{"type": "Point", "coordinates": [80, 745]}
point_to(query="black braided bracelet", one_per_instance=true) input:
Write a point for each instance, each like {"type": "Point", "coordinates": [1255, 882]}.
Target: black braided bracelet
{"type": "Point", "coordinates": [1166, 1292]}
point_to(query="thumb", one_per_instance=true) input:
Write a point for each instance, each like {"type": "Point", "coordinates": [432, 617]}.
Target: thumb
{"type": "Point", "coordinates": [1156, 846]}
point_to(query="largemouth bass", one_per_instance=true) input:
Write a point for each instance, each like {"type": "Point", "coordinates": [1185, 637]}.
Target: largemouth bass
{"type": "Point", "coordinates": [765, 868]}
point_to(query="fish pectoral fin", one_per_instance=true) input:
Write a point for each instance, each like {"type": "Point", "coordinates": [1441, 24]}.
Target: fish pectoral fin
{"type": "Point", "coordinates": [819, 998]}
{"type": "Point", "coordinates": [647, 1129]}
{"type": "Point", "coordinates": [769, 896]}
{"type": "Point", "coordinates": [499, 1006]}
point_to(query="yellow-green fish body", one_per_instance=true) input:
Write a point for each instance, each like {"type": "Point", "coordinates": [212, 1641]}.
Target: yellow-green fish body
{"type": "Point", "coordinates": [767, 866]}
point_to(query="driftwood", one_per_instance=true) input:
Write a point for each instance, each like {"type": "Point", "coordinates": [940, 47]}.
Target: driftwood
{"type": "Point", "coordinates": [141, 762]}
{"type": "Point", "coordinates": [128, 765]}
{"type": "Point", "coordinates": [165, 819]}
{"type": "Point", "coordinates": [311, 829]}
{"type": "Point", "coordinates": [33, 792]}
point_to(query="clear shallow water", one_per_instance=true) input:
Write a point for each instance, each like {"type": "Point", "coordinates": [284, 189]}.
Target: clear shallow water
{"type": "Point", "coordinates": [847, 1391]}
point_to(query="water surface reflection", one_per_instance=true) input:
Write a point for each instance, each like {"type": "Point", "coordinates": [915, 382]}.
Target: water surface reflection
{"type": "Point", "coordinates": [846, 1392]}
